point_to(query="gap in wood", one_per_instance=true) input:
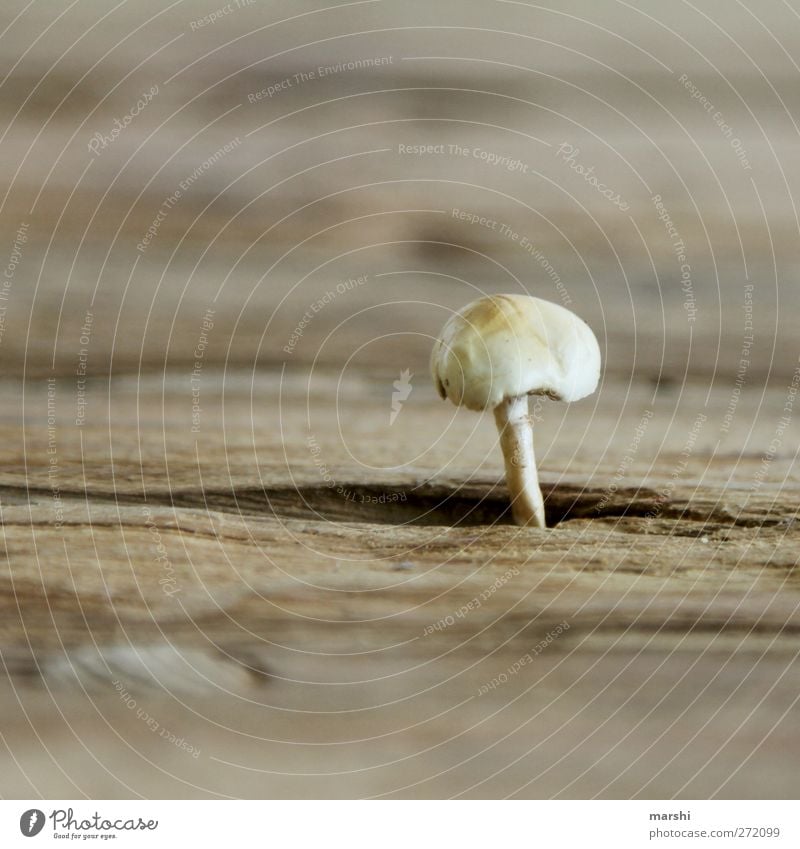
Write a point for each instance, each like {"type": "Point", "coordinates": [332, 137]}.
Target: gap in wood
{"type": "Point", "coordinates": [484, 504]}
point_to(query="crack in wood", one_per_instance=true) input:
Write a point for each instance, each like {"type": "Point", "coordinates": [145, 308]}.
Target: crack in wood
{"type": "Point", "coordinates": [637, 510]}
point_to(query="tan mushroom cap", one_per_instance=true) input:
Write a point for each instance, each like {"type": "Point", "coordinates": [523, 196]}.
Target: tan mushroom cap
{"type": "Point", "coordinates": [505, 346]}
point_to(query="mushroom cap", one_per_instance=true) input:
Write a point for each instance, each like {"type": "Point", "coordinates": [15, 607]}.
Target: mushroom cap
{"type": "Point", "coordinates": [504, 346]}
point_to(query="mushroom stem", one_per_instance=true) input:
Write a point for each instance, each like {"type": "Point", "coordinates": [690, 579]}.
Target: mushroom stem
{"type": "Point", "coordinates": [516, 440]}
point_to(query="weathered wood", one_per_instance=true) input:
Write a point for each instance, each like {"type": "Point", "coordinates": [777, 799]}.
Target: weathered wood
{"type": "Point", "coordinates": [291, 633]}
{"type": "Point", "coordinates": [225, 571]}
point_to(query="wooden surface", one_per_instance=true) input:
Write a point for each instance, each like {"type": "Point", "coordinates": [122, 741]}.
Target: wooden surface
{"type": "Point", "coordinates": [226, 572]}
{"type": "Point", "coordinates": [311, 644]}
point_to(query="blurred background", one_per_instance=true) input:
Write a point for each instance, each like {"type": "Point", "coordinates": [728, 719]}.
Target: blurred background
{"type": "Point", "coordinates": [329, 108]}
{"type": "Point", "coordinates": [227, 230]}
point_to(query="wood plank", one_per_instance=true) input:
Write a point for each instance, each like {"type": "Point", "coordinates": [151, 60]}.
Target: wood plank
{"type": "Point", "coordinates": [419, 647]}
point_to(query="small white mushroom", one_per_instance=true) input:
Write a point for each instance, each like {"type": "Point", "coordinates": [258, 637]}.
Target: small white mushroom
{"type": "Point", "coordinates": [496, 351]}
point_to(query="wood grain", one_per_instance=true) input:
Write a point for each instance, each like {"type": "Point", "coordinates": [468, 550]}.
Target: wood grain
{"type": "Point", "coordinates": [308, 642]}
{"type": "Point", "coordinates": [225, 571]}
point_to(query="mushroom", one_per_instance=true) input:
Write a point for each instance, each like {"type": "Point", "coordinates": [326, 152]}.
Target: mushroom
{"type": "Point", "coordinates": [496, 351]}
